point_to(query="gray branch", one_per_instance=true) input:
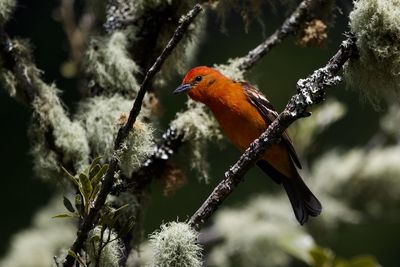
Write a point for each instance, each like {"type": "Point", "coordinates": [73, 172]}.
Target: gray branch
{"type": "Point", "coordinates": [310, 91]}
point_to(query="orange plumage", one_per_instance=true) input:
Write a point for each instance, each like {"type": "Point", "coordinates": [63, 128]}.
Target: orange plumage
{"type": "Point", "coordinates": [244, 114]}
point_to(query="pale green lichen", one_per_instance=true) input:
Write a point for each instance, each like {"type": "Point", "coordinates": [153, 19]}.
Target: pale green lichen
{"type": "Point", "coordinates": [108, 63]}
{"type": "Point", "coordinates": [120, 11]}
{"type": "Point", "coordinates": [175, 245]}
{"type": "Point", "coordinates": [231, 70]}
{"type": "Point", "coordinates": [181, 57]}
{"type": "Point", "coordinates": [112, 252]}
{"type": "Point", "coordinates": [9, 82]}
{"type": "Point", "coordinates": [137, 147]}
{"type": "Point", "coordinates": [377, 70]}
{"type": "Point", "coordinates": [141, 257]}
{"type": "Point", "coordinates": [37, 245]}
{"type": "Point", "coordinates": [56, 139]}
{"type": "Point", "coordinates": [99, 117]}
{"type": "Point", "coordinates": [23, 51]}
{"type": "Point", "coordinates": [69, 137]}
{"type": "Point", "coordinates": [263, 231]}
{"type": "Point", "coordinates": [6, 9]}
{"type": "Point", "coordinates": [198, 127]}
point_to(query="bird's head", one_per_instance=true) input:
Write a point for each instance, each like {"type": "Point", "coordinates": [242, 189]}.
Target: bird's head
{"type": "Point", "coordinates": [197, 82]}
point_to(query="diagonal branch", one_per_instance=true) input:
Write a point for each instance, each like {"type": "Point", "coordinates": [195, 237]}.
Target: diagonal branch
{"type": "Point", "coordinates": [108, 180]}
{"type": "Point", "coordinates": [289, 27]}
{"type": "Point", "coordinates": [172, 141]}
{"type": "Point", "coordinates": [310, 91]}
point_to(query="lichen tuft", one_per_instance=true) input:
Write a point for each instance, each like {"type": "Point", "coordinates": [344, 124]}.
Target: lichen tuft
{"type": "Point", "coordinates": [231, 70]}
{"type": "Point", "coordinates": [377, 70]}
{"type": "Point", "coordinates": [198, 127]}
{"type": "Point", "coordinates": [6, 9]}
{"type": "Point", "coordinates": [110, 66]}
{"type": "Point", "coordinates": [9, 82]}
{"type": "Point", "coordinates": [111, 254]}
{"type": "Point", "coordinates": [50, 119]}
{"type": "Point", "coordinates": [176, 245]}
{"type": "Point", "coordinates": [99, 117]}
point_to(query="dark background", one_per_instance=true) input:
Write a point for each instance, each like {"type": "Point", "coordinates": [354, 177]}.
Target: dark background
{"type": "Point", "coordinates": [276, 74]}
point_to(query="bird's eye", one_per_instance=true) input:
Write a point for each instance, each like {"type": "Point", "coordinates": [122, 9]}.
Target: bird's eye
{"type": "Point", "coordinates": [198, 78]}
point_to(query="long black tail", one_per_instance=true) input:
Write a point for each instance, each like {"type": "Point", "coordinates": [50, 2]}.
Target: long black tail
{"type": "Point", "coordinates": [303, 201]}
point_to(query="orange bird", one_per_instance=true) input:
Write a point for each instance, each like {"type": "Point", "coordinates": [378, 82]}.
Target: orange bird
{"type": "Point", "coordinates": [244, 114]}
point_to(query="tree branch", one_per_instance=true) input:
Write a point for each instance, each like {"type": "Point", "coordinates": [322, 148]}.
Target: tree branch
{"type": "Point", "coordinates": [15, 59]}
{"type": "Point", "coordinates": [310, 91]}
{"type": "Point", "coordinates": [289, 26]}
{"type": "Point", "coordinates": [123, 132]}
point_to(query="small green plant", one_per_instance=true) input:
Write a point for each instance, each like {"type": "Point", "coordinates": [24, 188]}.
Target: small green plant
{"type": "Point", "coordinates": [105, 236]}
{"type": "Point", "coordinates": [87, 184]}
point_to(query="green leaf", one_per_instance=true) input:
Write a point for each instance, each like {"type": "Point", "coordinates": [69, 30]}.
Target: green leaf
{"type": "Point", "coordinates": [73, 254]}
{"type": "Point", "coordinates": [86, 187]}
{"type": "Point", "coordinates": [68, 205]}
{"type": "Point", "coordinates": [97, 178]}
{"type": "Point", "coordinates": [93, 171]}
{"type": "Point", "coordinates": [62, 215]}
{"type": "Point", "coordinates": [70, 177]}
{"type": "Point", "coordinates": [76, 257]}
{"type": "Point", "coordinates": [96, 161]}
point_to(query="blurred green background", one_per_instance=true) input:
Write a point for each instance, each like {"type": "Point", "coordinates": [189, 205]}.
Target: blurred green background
{"type": "Point", "coordinates": [276, 75]}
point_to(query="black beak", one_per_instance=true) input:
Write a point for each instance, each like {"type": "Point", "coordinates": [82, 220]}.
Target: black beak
{"type": "Point", "coordinates": [183, 88]}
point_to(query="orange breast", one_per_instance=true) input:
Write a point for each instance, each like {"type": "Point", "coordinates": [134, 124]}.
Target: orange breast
{"type": "Point", "coordinates": [242, 123]}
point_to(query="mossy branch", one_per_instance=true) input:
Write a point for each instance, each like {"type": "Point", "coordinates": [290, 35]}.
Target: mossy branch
{"type": "Point", "coordinates": [310, 91]}
{"type": "Point", "coordinates": [108, 180]}
{"type": "Point", "coordinates": [25, 90]}
{"type": "Point", "coordinates": [171, 141]}
{"type": "Point", "coordinates": [29, 87]}
{"type": "Point", "coordinates": [154, 165]}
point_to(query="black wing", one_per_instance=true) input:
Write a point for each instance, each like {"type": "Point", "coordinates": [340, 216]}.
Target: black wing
{"type": "Point", "coordinates": [269, 114]}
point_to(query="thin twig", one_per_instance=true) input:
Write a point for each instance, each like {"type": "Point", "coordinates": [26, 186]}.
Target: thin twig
{"type": "Point", "coordinates": [108, 180]}
{"type": "Point", "coordinates": [310, 91]}
{"type": "Point", "coordinates": [289, 27]}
